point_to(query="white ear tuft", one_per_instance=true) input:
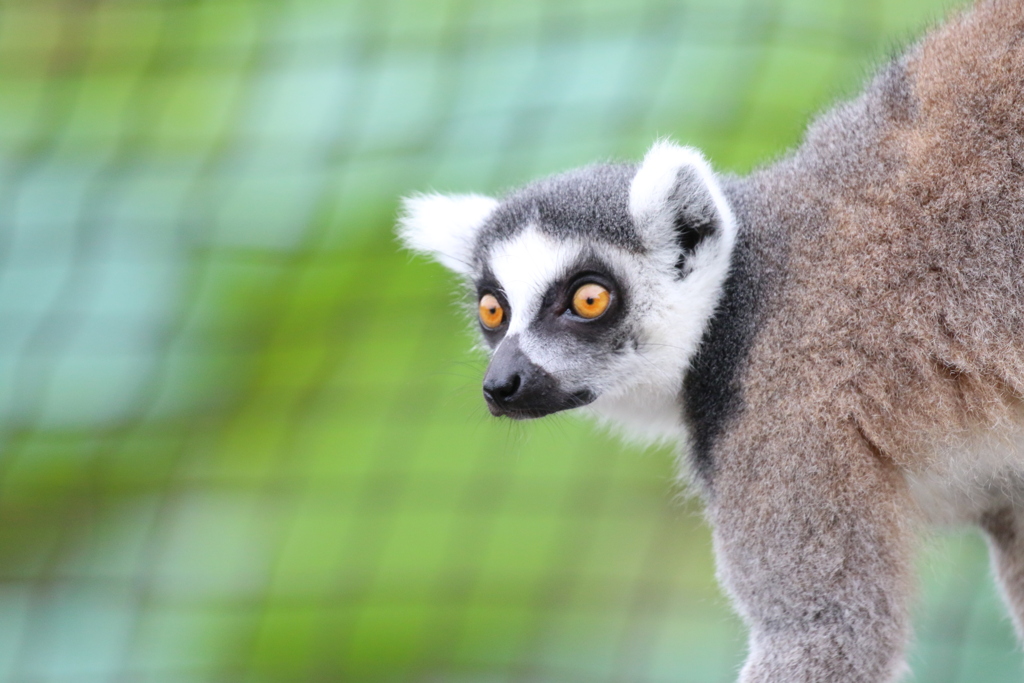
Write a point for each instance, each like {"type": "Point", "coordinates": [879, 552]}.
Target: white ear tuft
{"type": "Point", "coordinates": [673, 188]}
{"type": "Point", "coordinates": [444, 227]}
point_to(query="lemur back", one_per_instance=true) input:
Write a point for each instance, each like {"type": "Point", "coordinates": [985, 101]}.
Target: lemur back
{"type": "Point", "coordinates": [888, 252]}
{"type": "Point", "coordinates": [836, 341]}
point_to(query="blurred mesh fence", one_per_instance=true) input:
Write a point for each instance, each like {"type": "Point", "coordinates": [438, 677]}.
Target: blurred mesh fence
{"type": "Point", "coordinates": [242, 437]}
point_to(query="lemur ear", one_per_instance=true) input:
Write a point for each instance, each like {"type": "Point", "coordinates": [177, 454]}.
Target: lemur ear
{"type": "Point", "coordinates": [444, 227]}
{"type": "Point", "coordinates": [675, 199]}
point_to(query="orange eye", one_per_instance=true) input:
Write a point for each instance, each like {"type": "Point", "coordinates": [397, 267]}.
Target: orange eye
{"type": "Point", "coordinates": [491, 312]}
{"type": "Point", "coordinates": [590, 301]}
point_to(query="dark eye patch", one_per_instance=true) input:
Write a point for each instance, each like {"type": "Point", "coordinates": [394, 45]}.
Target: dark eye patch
{"type": "Point", "coordinates": [488, 284]}
{"type": "Point", "coordinates": [555, 316]}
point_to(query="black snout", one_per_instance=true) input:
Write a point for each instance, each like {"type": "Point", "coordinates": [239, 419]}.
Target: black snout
{"type": "Point", "coordinates": [502, 389]}
{"type": "Point", "coordinates": [516, 387]}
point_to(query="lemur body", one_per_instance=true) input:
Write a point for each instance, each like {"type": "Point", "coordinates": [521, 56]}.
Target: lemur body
{"type": "Point", "coordinates": [837, 339]}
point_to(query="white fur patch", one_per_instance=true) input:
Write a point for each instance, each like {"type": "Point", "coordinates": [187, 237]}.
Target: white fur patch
{"type": "Point", "coordinates": [444, 227]}
{"type": "Point", "coordinates": [647, 400]}
{"type": "Point", "coordinates": [650, 194]}
{"type": "Point", "coordinates": [526, 266]}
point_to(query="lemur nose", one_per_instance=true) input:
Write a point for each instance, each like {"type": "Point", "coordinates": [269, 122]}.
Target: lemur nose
{"type": "Point", "coordinates": [502, 389]}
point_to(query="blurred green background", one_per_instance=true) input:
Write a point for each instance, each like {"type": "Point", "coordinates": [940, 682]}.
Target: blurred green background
{"type": "Point", "coordinates": [242, 437]}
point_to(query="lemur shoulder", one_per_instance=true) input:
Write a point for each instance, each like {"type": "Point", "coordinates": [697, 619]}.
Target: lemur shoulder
{"type": "Point", "coordinates": [836, 340]}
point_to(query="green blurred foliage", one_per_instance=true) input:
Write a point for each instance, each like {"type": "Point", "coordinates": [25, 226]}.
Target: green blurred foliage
{"type": "Point", "coordinates": [242, 435]}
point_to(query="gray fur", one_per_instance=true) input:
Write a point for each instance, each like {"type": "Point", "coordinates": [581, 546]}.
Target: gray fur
{"type": "Point", "coordinates": [887, 256]}
{"type": "Point", "coordinates": [860, 369]}
{"type": "Point", "coordinates": [590, 202]}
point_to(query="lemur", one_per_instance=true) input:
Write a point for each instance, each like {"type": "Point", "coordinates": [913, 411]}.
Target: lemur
{"type": "Point", "coordinates": [836, 340]}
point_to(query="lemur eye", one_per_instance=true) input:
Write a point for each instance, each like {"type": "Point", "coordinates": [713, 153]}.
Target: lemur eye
{"type": "Point", "coordinates": [590, 301]}
{"type": "Point", "coordinates": [491, 312]}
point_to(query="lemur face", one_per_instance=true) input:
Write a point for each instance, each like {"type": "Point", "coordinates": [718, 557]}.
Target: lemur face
{"type": "Point", "coordinates": [590, 287]}
{"type": "Point", "coordinates": [556, 315]}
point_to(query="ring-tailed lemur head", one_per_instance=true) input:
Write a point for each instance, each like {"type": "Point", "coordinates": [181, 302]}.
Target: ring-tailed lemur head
{"type": "Point", "coordinates": [593, 287]}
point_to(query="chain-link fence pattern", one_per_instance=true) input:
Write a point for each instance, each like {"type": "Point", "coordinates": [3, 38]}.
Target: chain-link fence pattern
{"type": "Point", "coordinates": [242, 437]}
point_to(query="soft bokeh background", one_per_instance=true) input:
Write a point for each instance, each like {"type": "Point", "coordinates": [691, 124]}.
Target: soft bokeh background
{"type": "Point", "coordinates": [242, 437]}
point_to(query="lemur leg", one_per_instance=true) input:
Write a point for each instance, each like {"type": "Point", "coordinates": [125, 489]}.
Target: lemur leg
{"type": "Point", "coordinates": [814, 546]}
{"type": "Point", "coordinates": [1005, 529]}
